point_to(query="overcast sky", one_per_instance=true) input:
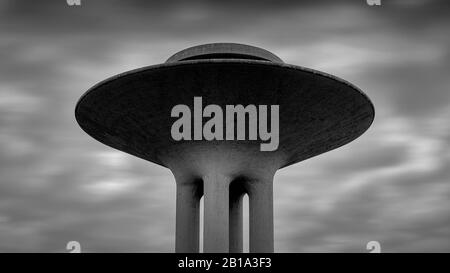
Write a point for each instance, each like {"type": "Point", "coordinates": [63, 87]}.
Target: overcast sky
{"type": "Point", "coordinates": [58, 184]}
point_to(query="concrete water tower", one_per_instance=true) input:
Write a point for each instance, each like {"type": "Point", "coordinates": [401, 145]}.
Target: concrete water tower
{"type": "Point", "coordinates": [132, 112]}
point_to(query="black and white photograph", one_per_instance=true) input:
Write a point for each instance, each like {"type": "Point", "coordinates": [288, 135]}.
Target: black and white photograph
{"type": "Point", "coordinates": [229, 127]}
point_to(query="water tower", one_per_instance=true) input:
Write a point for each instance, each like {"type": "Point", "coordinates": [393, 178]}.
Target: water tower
{"type": "Point", "coordinates": [131, 112]}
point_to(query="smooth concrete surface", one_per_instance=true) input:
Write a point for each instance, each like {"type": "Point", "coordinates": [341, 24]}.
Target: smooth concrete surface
{"type": "Point", "coordinates": [236, 226]}
{"type": "Point", "coordinates": [132, 112]}
{"type": "Point", "coordinates": [188, 216]}
{"type": "Point", "coordinates": [222, 174]}
{"type": "Point", "coordinates": [261, 215]}
{"type": "Point", "coordinates": [216, 212]}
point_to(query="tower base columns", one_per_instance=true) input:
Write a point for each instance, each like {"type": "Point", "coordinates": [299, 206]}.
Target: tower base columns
{"type": "Point", "coordinates": [261, 216]}
{"type": "Point", "coordinates": [187, 217]}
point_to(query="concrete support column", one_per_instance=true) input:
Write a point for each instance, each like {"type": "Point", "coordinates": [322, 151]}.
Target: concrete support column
{"type": "Point", "coordinates": [261, 216]}
{"type": "Point", "coordinates": [188, 219]}
{"type": "Point", "coordinates": [236, 219]}
{"type": "Point", "coordinates": [216, 213]}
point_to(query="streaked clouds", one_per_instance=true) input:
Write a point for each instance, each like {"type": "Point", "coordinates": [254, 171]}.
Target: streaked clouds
{"type": "Point", "coordinates": [392, 184]}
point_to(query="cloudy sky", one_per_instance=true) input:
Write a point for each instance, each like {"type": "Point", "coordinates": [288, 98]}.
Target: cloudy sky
{"type": "Point", "coordinates": [391, 185]}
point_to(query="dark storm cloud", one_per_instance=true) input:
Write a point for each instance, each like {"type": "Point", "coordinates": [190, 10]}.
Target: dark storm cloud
{"type": "Point", "coordinates": [57, 184]}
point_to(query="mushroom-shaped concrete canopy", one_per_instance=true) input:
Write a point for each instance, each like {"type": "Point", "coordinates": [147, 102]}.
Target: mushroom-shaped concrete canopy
{"type": "Point", "coordinates": [132, 111]}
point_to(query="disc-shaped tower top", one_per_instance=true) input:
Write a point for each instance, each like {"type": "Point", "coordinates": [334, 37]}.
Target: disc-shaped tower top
{"type": "Point", "coordinates": [132, 111]}
{"type": "Point", "coordinates": [224, 51]}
